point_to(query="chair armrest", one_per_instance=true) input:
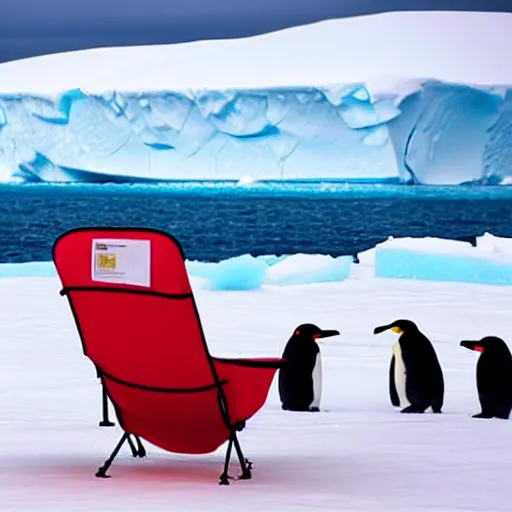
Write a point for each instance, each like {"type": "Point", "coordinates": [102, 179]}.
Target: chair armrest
{"type": "Point", "coordinates": [248, 384]}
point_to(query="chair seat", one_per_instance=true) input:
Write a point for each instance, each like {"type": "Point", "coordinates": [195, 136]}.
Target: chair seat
{"type": "Point", "coordinates": [188, 420]}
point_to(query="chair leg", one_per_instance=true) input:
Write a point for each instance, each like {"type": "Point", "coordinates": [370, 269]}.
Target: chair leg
{"type": "Point", "coordinates": [135, 451]}
{"type": "Point", "coordinates": [105, 422]}
{"type": "Point", "coordinates": [141, 451]}
{"type": "Point", "coordinates": [245, 464]}
{"type": "Point", "coordinates": [224, 478]}
{"type": "Point", "coordinates": [102, 471]}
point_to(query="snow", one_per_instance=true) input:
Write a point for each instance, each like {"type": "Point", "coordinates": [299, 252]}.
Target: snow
{"type": "Point", "coordinates": [358, 454]}
{"type": "Point", "coordinates": [380, 48]}
{"type": "Point", "coordinates": [494, 244]}
{"type": "Point", "coordinates": [378, 98]}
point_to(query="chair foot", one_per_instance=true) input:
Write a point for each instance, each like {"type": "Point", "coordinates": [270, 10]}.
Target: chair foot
{"type": "Point", "coordinates": [102, 473]}
{"type": "Point", "coordinates": [246, 474]}
{"type": "Point", "coordinates": [106, 423]}
{"type": "Point", "coordinates": [247, 471]}
{"type": "Point", "coordinates": [224, 479]}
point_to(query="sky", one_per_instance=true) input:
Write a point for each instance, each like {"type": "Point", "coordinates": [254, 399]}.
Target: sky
{"type": "Point", "coordinates": [35, 27]}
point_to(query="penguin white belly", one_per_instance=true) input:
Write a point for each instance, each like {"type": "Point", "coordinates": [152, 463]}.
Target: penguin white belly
{"type": "Point", "coordinates": [317, 382]}
{"type": "Point", "coordinates": [400, 375]}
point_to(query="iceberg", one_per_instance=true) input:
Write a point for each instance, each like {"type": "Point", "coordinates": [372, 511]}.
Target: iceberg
{"type": "Point", "coordinates": [487, 261]}
{"type": "Point", "coordinates": [490, 262]}
{"type": "Point", "coordinates": [338, 100]}
{"type": "Point", "coordinates": [240, 273]}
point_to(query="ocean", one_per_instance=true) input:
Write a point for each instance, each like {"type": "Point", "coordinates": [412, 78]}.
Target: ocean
{"type": "Point", "coordinates": [217, 221]}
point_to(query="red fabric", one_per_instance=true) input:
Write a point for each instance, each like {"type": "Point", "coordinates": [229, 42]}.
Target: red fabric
{"type": "Point", "coordinates": [157, 342]}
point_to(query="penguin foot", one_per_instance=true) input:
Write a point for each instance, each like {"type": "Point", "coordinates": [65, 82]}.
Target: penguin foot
{"type": "Point", "coordinates": [296, 408]}
{"type": "Point", "coordinates": [314, 409]}
{"type": "Point", "coordinates": [484, 415]}
{"type": "Point", "coordinates": [412, 409]}
{"type": "Point", "coordinates": [489, 415]}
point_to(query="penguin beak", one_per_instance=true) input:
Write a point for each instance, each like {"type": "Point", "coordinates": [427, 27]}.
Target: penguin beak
{"type": "Point", "coordinates": [327, 333]}
{"type": "Point", "coordinates": [382, 328]}
{"type": "Point", "coordinates": [472, 345]}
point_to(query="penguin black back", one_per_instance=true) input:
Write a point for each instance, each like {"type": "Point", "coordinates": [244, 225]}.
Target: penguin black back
{"type": "Point", "coordinates": [493, 376]}
{"type": "Point", "coordinates": [302, 355]}
{"type": "Point", "coordinates": [423, 376]}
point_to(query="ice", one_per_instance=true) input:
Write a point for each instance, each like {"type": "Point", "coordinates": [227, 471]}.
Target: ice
{"type": "Point", "coordinates": [497, 155]}
{"type": "Point", "coordinates": [495, 244]}
{"type": "Point", "coordinates": [30, 269]}
{"type": "Point", "coordinates": [243, 272]}
{"type": "Point", "coordinates": [3, 118]}
{"type": "Point", "coordinates": [358, 455]}
{"type": "Point", "coordinates": [300, 269]}
{"type": "Point", "coordinates": [447, 144]}
{"type": "Point", "coordinates": [319, 102]}
{"type": "Point", "coordinates": [406, 264]}
{"type": "Point", "coordinates": [268, 135]}
{"type": "Point", "coordinates": [488, 262]}
{"type": "Point", "coordinates": [446, 260]}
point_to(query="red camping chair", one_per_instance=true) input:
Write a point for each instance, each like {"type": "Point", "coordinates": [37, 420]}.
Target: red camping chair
{"type": "Point", "coordinates": [131, 299]}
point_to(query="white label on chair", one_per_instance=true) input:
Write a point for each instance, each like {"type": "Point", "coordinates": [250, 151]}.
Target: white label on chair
{"type": "Point", "coordinates": [121, 261]}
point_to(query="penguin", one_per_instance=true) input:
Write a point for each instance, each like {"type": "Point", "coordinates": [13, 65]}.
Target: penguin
{"type": "Point", "coordinates": [300, 378]}
{"type": "Point", "coordinates": [493, 377]}
{"type": "Point", "coordinates": [415, 376]}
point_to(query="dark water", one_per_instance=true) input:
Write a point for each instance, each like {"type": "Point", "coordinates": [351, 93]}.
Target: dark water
{"type": "Point", "coordinates": [217, 222]}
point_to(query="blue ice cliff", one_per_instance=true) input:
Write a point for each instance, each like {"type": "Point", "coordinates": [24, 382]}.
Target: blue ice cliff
{"type": "Point", "coordinates": [155, 119]}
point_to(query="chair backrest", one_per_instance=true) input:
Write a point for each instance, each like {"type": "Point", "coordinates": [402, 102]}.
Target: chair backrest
{"type": "Point", "coordinates": [134, 308]}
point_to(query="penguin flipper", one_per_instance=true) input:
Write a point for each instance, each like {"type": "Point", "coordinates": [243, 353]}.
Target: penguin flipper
{"type": "Point", "coordinates": [393, 395]}
{"type": "Point", "coordinates": [417, 388]}
{"type": "Point", "coordinates": [437, 387]}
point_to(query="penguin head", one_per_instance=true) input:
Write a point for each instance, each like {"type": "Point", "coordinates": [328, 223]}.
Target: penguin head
{"type": "Point", "coordinates": [398, 327]}
{"type": "Point", "coordinates": [487, 345]}
{"type": "Point", "coordinates": [311, 332]}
